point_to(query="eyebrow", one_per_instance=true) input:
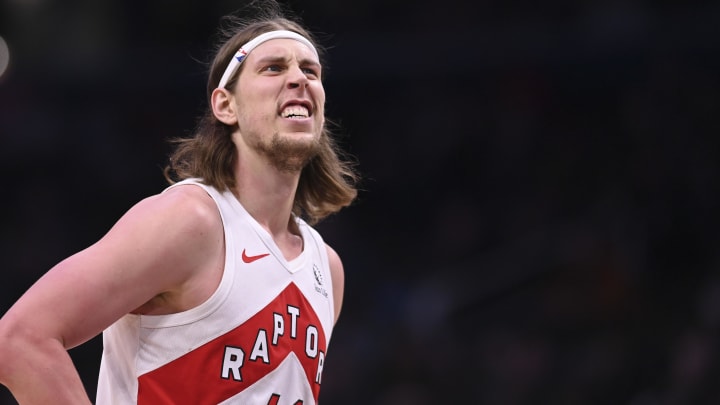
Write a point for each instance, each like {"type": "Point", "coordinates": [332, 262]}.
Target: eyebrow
{"type": "Point", "coordinates": [279, 59]}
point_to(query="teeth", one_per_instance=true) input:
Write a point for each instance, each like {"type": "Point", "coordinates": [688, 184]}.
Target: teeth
{"type": "Point", "coordinates": [295, 111]}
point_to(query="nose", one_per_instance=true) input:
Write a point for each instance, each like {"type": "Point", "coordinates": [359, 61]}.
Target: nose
{"type": "Point", "coordinates": [296, 77]}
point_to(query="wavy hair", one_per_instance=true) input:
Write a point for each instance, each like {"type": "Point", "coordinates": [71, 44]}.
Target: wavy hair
{"type": "Point", "coordinates": [327, 183]}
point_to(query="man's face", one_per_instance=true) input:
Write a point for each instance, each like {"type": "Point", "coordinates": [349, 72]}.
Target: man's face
{"type": "Point", "coordinates": [281, 102]}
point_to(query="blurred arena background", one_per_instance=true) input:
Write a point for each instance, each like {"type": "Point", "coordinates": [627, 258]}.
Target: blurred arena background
{"type": "Point", "coordinates": [539, 216]}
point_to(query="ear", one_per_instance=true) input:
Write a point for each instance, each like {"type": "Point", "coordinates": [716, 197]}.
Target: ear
{"type": "Point", "coordinates": [223, 106]}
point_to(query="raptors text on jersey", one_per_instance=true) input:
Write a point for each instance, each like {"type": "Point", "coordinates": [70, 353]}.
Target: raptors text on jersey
{"type": "Point", "coordinates": [235, 361]}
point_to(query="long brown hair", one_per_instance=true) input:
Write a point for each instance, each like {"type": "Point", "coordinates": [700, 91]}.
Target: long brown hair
{"type": "Point", "coordinates": [327, 182]}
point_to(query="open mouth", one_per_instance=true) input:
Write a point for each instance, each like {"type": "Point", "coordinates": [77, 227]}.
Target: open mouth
{"type": "Point", "coordinates": [295, 111]}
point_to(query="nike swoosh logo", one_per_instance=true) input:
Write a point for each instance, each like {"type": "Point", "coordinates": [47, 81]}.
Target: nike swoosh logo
{"type": "Point", "coordinates": [250, 259]}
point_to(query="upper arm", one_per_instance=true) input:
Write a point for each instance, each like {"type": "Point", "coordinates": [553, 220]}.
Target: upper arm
{"type": "Point", "coordinates": [337, 274]}
{"type": "Point", "coordinates": [152, 249]}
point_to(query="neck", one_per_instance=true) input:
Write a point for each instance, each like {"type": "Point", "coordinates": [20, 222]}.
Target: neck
{"type": "Point", "coordinates": [268, 194]}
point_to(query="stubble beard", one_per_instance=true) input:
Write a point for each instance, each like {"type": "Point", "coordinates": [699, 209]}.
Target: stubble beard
{"type": "Point", "coordinates": [289, 155]}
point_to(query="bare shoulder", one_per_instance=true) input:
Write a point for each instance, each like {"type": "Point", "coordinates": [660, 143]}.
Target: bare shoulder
{"type": "Point", "coordinates": [186, 204]}
{"type": "Point", "coordinates": [183, 222]}
{"type": "Point", "coordinates": [333, 259]}
{"type": "Point", "coordinates": [173, 240]}
{"type": "Point", "coordinates": [169, 235]}
{"type": "Point", "coordinates": [181, 215]}
{"type": "Point", "coordinates": [337, 272]}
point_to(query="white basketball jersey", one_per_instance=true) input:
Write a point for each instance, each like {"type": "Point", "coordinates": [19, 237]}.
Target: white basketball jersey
{"type": "Point", "coordinates": [261, 338]}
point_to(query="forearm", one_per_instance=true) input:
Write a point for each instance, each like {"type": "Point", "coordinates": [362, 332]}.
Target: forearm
{"type": "Point", "coordinates": [41, 372]}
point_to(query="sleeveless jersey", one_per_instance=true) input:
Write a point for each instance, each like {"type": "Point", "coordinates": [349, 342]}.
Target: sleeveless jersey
{"type": "Point", "coordinates": [261, 338]}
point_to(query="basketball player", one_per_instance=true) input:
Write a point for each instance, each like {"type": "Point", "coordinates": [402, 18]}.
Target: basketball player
{"type": "Point", "coordinates": [216, 290]}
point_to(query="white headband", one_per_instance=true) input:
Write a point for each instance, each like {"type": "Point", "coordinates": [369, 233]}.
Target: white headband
{"type": "Point", "coordinates": [252, 44]}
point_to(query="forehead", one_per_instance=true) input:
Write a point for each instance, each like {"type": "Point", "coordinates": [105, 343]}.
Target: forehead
{"type": "Point", "coordinates": [283, 48]}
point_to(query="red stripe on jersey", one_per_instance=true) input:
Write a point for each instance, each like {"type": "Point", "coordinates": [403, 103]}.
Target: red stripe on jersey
{"type": "Point", "coordinates": [197, 377]}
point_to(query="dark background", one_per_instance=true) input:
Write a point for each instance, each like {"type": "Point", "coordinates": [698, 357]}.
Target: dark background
{"type": "Point", "coordinates": [538, 221]}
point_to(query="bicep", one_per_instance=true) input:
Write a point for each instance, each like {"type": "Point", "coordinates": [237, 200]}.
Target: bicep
{"type": "Point", "coordinates": [76, 299]}
{"type": "Point", "coordinates": [145, 253]}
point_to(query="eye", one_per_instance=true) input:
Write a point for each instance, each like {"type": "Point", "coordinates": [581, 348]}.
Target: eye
{"type": "Point", "coordinates": [273, 68]}
{"type": "Point", "coordinates": [310, 71]}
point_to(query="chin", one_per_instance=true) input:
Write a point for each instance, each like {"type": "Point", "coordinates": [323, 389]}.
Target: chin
{"type": "Point", "coordinates": [299, 135]}
{"type": "Point", "coordinates": [292, 151]}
